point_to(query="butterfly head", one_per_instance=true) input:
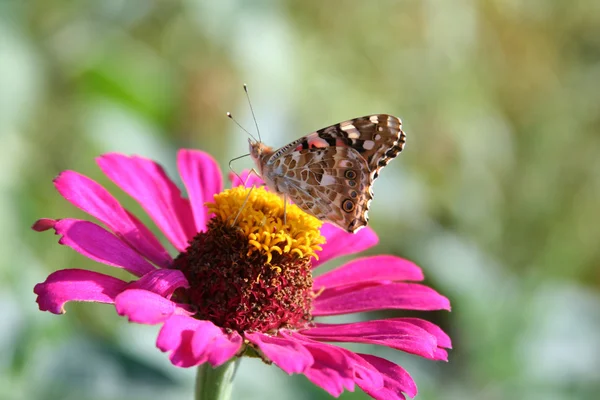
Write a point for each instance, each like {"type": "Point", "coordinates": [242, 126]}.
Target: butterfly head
{"type": "Point", "coordinates": [258, 150]}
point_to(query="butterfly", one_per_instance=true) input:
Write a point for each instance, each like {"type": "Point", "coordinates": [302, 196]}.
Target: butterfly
{"type": "Point", "coordinates": [330, 173]}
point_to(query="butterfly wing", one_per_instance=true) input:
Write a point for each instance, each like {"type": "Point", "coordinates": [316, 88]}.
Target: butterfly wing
{"type": "Point", "coordinates": [377, 138]}
{"type": "Point", "coordinates": [331, 183]}
{"type": "Point", "coordinates": [330, 172]}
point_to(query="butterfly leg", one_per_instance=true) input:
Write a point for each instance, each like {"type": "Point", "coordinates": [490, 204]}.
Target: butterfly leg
{"type": "Point", "coordinates": [242, 207]}
{"type": "Point", "coordinates": [243, 181]}
{"type": "Point", "coordinates": [284, 209]}
{"type": "Point", "coordinates": [252, 171]}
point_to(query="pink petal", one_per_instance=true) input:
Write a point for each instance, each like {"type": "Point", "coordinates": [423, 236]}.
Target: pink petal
{"type": "Point", "coordinates": [396, 380]}
{"type": "Point", "coordinates": [175, 337]}
{"type": "Point", "coordinates": [336, 368]}
{"type": "Point", "coordinates": [202, 178]}
{"type": "Point", "coordinates": [440, 355]}
{"type": "Point", "coordinates": [211, 344]}
{"type": "Point", "coordinates": [92, 198]}
{"type": "Point", "coordinates": [204, 335]}
{"type": "Point", "coordinates": [366, 373]}
{"type": "Point", "coordinates": [164, 262]}
{"type": "Point", "coordinates": [395, 334]}
{"type": "Point", "coordinates": [147, 182]}
{"type": "Point", "coordinates": [98, 244]}
{"type": "Point", "coordinates": [285, 352]}
{"type": "Point", "coordinates": [146, 307]}
{"type": "Point", "coordinates": [76, 285]}
{"type": "Point", "coordinates": [443, 340]}
{"type": "Point", "coordinates": [370, 269]}
{"type": "Point", "coordinates": [340, 243]}
{"type": "Point", "coordinates": [404, 296]}
{"type": "Point", "coordinates": [162, 282]}
{"type": "Point", "coordinates": [43, 224]}
{"type": "Point", "coordinates": [250, 179]}
{"type": "Point", "coordinates": [331, 369]}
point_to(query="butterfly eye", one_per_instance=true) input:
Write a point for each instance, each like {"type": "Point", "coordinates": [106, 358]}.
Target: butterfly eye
{"type": "Point", "coordinates": [348, 205]}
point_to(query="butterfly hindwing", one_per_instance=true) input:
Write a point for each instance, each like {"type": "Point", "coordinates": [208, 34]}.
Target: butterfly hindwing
{"type": "Point", "coordinates": [331, 183]}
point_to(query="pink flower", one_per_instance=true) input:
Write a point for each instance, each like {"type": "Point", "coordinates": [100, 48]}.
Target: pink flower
{"type": "Point", "coordinates": [209, 309]}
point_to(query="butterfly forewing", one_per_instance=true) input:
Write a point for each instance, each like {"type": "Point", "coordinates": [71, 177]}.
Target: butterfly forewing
{"type": "Point", "coordinates": [329, 173]}
{"type": "Point", "coordinates": [377, 138]}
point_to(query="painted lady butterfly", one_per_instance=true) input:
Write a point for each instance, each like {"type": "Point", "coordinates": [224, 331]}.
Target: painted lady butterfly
{"type": "Point", "coordinates": [330, 173]}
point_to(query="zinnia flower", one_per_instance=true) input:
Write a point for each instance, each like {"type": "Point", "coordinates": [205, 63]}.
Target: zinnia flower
{"type": "Point", "coordinates": [242, 282]}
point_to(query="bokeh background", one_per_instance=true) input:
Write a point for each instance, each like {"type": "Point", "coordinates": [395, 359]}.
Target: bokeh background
{"type": "Point", "coordinates": [496, 196]}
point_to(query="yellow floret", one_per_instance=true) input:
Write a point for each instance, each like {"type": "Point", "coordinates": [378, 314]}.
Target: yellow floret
{"type": "Point", "coordinates": [261, 221]}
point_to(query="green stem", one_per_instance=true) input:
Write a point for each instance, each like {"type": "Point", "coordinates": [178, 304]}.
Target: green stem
{"type": "Point", "coordinates": [216, 383]}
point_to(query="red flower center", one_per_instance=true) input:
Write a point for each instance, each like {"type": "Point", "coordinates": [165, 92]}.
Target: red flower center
{"type": "Point", "coordinates": [237, 289]}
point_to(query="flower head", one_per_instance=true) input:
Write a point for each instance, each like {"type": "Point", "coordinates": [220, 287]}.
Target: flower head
{"type": "Point", "coordinates": [249, 270]}
{"type": "Point", "coordinates": [242, 282]}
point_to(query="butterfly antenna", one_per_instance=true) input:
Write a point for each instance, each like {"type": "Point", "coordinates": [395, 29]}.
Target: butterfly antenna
{"type": "Point", "coordinates": [241, 127]}
{"type": "Point", "coordinates": [252, 111]}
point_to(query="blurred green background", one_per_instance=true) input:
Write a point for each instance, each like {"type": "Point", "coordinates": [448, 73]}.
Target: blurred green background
{"type": "Point", "coordinates": [496, 195]}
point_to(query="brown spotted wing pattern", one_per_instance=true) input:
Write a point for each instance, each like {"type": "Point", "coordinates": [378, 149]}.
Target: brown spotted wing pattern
{"type": "Point", "coordinates": [330, 173]}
